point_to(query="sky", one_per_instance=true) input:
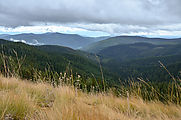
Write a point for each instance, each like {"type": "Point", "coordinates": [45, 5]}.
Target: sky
{"type": "Point", "coordinates": [152, 18]}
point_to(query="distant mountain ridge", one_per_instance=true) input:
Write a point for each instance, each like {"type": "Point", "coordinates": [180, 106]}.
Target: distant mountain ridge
{"type": "Point", "coordinates": [68, 40]}
{"type": "Point", "coordinates": [122, 40]}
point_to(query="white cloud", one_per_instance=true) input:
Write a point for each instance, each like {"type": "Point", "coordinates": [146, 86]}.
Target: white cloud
{"type": "Point", "coordinates": [23, 41]}
{"type": "Point", "coordinates": [101, 29]}
{"type": "Point", "coordinates": [53, 28]}
{"type": "Point", "coordinates": [35, 42]}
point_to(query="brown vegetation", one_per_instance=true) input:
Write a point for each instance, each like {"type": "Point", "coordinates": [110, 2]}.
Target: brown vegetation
{"type": "Point", "coordinates": [25, 100]}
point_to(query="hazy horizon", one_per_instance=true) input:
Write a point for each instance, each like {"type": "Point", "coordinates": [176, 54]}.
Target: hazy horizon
{"type": "Point", "coordinates": [95, 35]}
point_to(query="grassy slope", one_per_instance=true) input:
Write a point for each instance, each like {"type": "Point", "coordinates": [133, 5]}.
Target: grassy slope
{"type": "Point", "coordinates": [20, 99]}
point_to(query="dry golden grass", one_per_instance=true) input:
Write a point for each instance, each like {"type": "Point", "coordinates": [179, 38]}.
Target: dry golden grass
{"type": "Point", "coordinates": [26, 100]}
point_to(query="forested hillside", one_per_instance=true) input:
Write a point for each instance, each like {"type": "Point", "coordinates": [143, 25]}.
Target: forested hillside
{"type": "Point", "coordinates": [131, 56]}
{"type": "Point", "coordinates": [46, 57]}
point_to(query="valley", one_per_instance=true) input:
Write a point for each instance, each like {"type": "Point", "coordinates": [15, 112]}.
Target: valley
{"type": "Point", "coordinates": [146, 71]}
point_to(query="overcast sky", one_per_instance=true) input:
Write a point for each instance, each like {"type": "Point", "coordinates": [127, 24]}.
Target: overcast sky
{"type": "Point", "coordinates": [92, 17]}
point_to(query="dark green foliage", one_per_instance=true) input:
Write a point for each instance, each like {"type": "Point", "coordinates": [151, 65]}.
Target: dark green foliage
{"type": "Point", "coordinates": [141, 59]}
{"type": "Point", "coordinates": [49, 63]}
{"type": "Point", "coordinates": [39, 57]}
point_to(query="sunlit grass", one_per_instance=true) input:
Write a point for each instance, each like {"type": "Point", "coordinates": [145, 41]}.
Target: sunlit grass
{"type": "Point", "coordinates": [26, 100]}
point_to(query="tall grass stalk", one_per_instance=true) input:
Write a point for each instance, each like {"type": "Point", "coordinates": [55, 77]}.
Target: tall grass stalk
{"type": "Point", "coordinates": [102, 74]}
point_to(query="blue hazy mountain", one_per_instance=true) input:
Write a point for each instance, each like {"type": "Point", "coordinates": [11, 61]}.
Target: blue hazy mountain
{"type": "Point", "coordinates": [69, 40]}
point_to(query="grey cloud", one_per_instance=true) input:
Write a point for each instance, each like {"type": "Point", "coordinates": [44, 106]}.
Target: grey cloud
{"type": "Point", "coordinates": [125, 12]}
{"type": "Point", "coordinates": [119, 29]}
{"type": "Point", "coordinates": [115, 29]}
